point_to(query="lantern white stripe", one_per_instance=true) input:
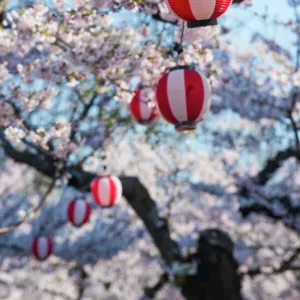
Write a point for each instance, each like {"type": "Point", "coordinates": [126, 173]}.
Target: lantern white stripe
{"type": "Point", "coordinates": [145, 111]}
{"type": "Point", "coordinates": [119, 189]}
{"type": "Point", "coordinates": [42, 247]}
{"type": "Point", "coordinates": [104, 191]}
{"type": "Point", "coordinates": [79, 212]}
{"type": "Point", "coordinates": [202, 9]}
{"type": "Point", "coordinates": [207, 98]}
{"type": "Point", "coordinates": [177, 94]}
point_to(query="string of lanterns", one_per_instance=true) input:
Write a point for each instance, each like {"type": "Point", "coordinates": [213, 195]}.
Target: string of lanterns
{"type": "Point", "coordinates": [106, 192]}
{"type": "Point", "coordinates": [183, 98]}
{"type": "Point", "coordinates": [183, 94]}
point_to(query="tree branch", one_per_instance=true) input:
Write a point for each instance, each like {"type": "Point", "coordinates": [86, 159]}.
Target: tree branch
{"type": "Point", "coordinates": [150, 292]}
{"type": "Point", "coordinates": [293, 122]}
{"type": "Point", "coordinates": [32, 213]}
{"type": "Point", "coordinates": [133, 190]}
{"type": "Point", "coordinates": [291, 211]}
{"type": "Point", "coordinates": [273, 164]}
{"type": "Point", "coordinates": [286, 265]}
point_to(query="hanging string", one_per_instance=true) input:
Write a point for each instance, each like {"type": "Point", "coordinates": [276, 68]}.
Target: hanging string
{"type": "Point", "coordinates": [179, 49]}
{"type": "Point", "coordinates": [182, 34]}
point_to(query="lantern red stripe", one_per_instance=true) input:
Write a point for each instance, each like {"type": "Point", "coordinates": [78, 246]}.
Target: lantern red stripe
{"type": "Point", "coordinates": [135, 106]}
{"type": "Point", "coordinates": [207, 98]}
{"type": "Point", "coordinates": [163, 104]}
{"type": "Point", "coordinates": [71, 211]}
{"type": "Point", "coordinates": [35, 248]}
{"type": "Point", "coordinates": [182, 9]}
{"type": "Point", "coordinates": [113, 191]}
{"type": "Point", "coordinates": [95, 190]}
{"type": "Point", "coordinates": [194, 89]}
{"type": "Point", "coordinates": [153, 114]}
{"type": "Point", "coordinates": [87, 213]}
{"type": "Point", "coordinates": [221, 7]}
{"type": "Point", "coordinates": [50, 246]}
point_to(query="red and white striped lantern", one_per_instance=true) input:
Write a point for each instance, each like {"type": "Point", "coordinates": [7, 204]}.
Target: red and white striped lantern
{"type": "Point", "coordinates": [42, 247]}
{"type": "Point", "coordinates": [183, 96]}
{"type": "Point", "coordinates": [106, 190]}
{"type": "Point", "coordinates": [79, 212]}
{"type": "Point", "coordinates": [199, 13]}
{"type": "Point", "coordinates": [142, 110]}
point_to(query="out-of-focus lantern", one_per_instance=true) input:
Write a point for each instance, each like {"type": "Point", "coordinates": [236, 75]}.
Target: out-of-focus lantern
{"type": "Point", "coordinates": [183, 97]}
{"type": "Point", "coordinates": [143, 110]}
{"type": "Point", "coordinates": [106, 190]}
{"type": "Point", "coordinates": [79, 212]}
{"type": "Point", "coordinates": [198, 13]}
{"type": "Point", "coordinates": [42, 247]}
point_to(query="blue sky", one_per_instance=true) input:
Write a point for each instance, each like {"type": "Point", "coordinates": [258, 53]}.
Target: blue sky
{"type": "Point", "coordinates": [277, 10]}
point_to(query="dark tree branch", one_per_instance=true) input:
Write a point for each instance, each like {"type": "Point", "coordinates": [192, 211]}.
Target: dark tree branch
{"type": "Point", "coordinates": [286, 265]}
{"type": "Point", "coordinates": [293, 122]}
{"type": "Point", "coordinates": [274, 164]}
{"type": "Point", "coordinates": [83, 115]}
{"type": "Point", "coordinates": [150, 292]}
{"type": "Point", "coordinates": [133, 190]}
{"type": "Point", "coordinates": [83, 276]}
{"type": "Point", "coordinates": [33, 213]}
{"type": "Point", "coordinates": [290, 213]}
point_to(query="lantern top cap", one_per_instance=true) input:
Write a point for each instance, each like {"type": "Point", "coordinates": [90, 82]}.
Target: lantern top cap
{"type": "Point", "coordinates": [79, 198]}
{"type": "Point", "coordinates": [192, 67]}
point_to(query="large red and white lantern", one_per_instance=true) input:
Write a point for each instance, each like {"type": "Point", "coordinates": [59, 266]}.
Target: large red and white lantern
{"type": "Point", "coordinates": [79, 212]}
{"type": "Point", "coordinates": [198, 13]}
{"type": "Point", "coordinates": [42, 247]}
{"type": "Point", "coordinates": [183, 96]}
{"type": "Point", "coordinates": [106, 190]}
{"type": "Point", "coordinates": [143, 110]}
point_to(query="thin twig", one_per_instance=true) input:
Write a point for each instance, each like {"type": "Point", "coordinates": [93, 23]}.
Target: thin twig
{"type": "Point", "coordinates": [32, 213]}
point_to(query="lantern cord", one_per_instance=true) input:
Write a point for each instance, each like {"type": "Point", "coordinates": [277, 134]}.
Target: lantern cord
{"type": "Point", "coordinates": [182, 33]}
{"type": "Point", "coordinates": [180, 41]}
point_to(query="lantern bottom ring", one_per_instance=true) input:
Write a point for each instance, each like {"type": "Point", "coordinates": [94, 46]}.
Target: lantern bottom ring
{"type": "Point", "coordinates": [185, 126]}
{"type": "Point", "coordinates": [41, 259]}
{"type": "Point", "coordinates": [202, 23]}
{"type": "Point", "coordinates": [144, 122]}
{"type": "Point", "coordinates": [106, 206]}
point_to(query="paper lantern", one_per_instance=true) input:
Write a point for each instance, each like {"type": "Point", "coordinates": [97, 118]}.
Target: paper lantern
{"type": "Point", "coordinates": [79, 212]}
{"type": "Point", "coordinates": [198, 13]}
{"type": "Point", "coordinates": [183, 97]}
{"type": "Point", "coordinates": [141, 110]}
{"type": "Point", "coordinates": [106, 190]}
{"type": "Point", "coordinates": [42, 247]}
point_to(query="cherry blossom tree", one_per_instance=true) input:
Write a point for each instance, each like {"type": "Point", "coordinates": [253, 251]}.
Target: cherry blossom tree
{"type": "Point", "coordinates": [68, 70]}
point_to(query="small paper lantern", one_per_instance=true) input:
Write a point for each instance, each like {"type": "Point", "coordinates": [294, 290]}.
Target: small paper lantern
{"type": "Point", "coordinates": [183, 97]}
{"type": "Point", "coordinates": [141, 110]}
{"type": "Point", "coordinates": [198, 13]}
{"type": "Point", "coordinates": [79, 212]}
{"type": "Point", "coordinates": [106, 190]}
{"type": "Point", "coordinates": [42, 247]}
